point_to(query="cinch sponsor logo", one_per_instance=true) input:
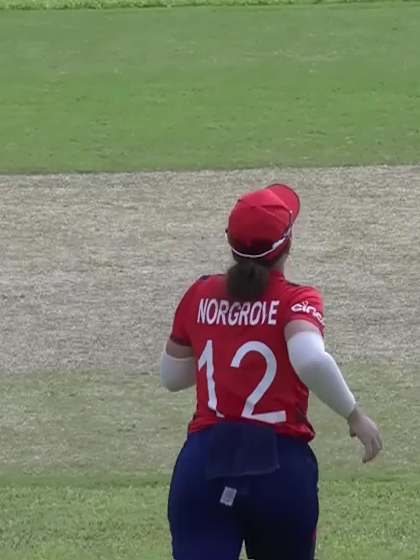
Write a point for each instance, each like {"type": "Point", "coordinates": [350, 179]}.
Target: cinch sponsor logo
{"type": "Point", "coordinates": [222, 312]}
{"type": "Point", "coordinates": [304, 307]}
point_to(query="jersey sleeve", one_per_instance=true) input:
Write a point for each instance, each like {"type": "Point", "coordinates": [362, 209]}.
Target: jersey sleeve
{"type": "Point", "coordinates": [180, 325]}
{"type": "Point", "coordinates": [306, 304]}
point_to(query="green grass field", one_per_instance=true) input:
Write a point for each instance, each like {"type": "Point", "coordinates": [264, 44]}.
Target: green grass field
{"type": "Point", "coordinates": [85, 454]}
{"type": "Point", "coordinates": [123, 518]}
{"type": "Point", "coordinates": [86, 468]}
{"type": "Point", "coordinates": [209, 88]}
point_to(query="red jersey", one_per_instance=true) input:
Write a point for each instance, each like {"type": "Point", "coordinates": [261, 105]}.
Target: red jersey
{"type": "Point", "coordinates": [243, 367]}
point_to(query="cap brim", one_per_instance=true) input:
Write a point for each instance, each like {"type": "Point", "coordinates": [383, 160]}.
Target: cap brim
{"type": "Point", "coordinates": [288, 197]}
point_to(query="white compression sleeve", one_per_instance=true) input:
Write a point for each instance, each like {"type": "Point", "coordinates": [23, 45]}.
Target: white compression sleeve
{"type": "Point", "coordinates": [319, 372]}
{"type": "Point", "coordinates": [177, 373]}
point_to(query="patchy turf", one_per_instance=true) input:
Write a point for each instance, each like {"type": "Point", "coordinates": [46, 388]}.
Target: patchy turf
{"type": "Point", "coordinates": [113, 4]}
{"type": "Point", "coordinates": [92, 266]}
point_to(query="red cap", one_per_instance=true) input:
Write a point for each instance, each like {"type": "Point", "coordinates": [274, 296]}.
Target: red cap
{"type": "Point", "coordinates": [260, 224]}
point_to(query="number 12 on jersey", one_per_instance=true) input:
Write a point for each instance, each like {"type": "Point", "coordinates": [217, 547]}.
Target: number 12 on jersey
{"type": "Point", "coordinates": [206, 360]}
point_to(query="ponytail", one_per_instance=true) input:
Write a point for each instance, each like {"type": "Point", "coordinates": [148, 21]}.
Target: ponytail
{"type": "Point", "coordinates": [247, 280]}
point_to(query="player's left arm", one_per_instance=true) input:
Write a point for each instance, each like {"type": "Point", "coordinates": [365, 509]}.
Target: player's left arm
{"type": "Point", "coordinates": [318, 370]}
{"type": "Point", "coordinates": [304, 331]}
{"type": "Point", "coordinates": [177, 364]}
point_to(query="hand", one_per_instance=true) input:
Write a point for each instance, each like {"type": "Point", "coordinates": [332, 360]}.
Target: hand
{"type": "Point", "coordinates": [366, 431]}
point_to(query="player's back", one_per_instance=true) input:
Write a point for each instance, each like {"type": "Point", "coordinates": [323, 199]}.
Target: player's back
{"type": "Point", "coordinates": [243, 369]}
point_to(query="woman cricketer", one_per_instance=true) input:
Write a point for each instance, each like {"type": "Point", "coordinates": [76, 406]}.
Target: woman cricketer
{"type": "Point", "coordinates": [252, 343]}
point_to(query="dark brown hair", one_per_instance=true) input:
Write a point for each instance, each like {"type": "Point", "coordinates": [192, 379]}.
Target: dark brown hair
{"type": "Point", "coordinates": [247, 279]}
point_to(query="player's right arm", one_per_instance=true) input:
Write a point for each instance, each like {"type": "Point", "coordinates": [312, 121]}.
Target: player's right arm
{"type": "Point", "coordinates": [177, 364]}
{"type": "Point", "coordinates": [318, 370]}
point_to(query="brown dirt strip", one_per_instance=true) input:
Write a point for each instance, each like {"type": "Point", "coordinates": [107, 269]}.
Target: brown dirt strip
{"type": "Point", "coordinates": [92, 265]}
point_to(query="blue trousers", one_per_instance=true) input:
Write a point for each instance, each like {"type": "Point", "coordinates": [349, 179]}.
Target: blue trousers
{"type": "Point", "coordinates": [270, 504]}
